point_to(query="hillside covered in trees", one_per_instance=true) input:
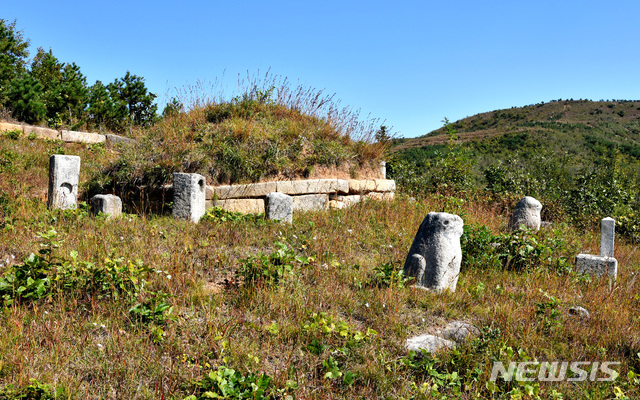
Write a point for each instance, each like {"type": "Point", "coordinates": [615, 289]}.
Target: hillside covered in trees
{"type": "Point", "coordinates": [580, 157]}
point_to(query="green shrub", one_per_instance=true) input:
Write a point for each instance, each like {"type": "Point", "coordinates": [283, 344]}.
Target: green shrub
{"type": "Point", "coordinates": [227, 383]}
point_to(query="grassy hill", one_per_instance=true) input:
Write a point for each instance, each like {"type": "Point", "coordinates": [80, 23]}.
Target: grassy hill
{"type": "Point", "coordinates": [581, 158]}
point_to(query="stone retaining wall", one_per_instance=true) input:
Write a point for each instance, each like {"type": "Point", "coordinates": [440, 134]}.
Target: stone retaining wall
{"type": "Point", "coordinates": [64, 135]}
{"type": "Point", "coordinates": [308, 195]}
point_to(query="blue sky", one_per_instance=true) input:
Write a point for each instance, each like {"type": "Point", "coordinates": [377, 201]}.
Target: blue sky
{"type": "Point", "coordinates": [409, 63]}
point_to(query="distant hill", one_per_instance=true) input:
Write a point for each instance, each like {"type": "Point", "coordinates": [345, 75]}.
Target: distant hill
{"type": "Point", "coordinates": [571, 125]}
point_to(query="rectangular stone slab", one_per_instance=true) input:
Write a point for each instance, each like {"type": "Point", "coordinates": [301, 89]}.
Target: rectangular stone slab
{"type": "Point", "coordinates": [64, 174]}
{"type": "Point", "coordinates": [245, 206]}
{"type": "Point", "coordinates": [6, 126]}
{"type": "Point", "coordinates": [597, 265]}
{"type": "Point", "coordinates": [240, 191]}
{"type": "Point", "coordinates": [310, 202]}
{"type": "Point", "coordinates": [310, 186]}
{"type": "Point", "coordinates": [362, 186]}
{"type": "Point", "coordinates": [82, 137]}
{"type": "Point", "coordinates": [42, 133]}
{"type": "Point", "coordinates": [385, 185]}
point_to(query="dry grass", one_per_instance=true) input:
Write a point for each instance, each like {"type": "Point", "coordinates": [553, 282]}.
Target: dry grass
{"type": "Point", "coordinates": [94, 349]}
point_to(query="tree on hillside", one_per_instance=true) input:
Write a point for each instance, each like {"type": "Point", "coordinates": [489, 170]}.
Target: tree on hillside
{"type": "Point", "coordinates": [131, 93]}
{"type": "Point", "coordinates": [13, 56]}
{"type": "Point", "coordinates": [25, 98]}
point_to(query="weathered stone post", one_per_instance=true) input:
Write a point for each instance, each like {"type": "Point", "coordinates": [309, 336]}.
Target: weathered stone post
{"type": "Point", "coordinates": [607, 236]}
{"type": "Point", "coordinates": [107, 204]}
{"type": "Point", "coordinates": [279, 206]}
{"type": "Point", "coordinates": [189, 193]}
{"type": "Point", "coordinates": [527, 213]}
{"type": "Point", "coordinates": [383, 169]}
{"type": "Point", "coordinates": [435, 255]}
{"type": "Point", "coordinates": [64, 174]}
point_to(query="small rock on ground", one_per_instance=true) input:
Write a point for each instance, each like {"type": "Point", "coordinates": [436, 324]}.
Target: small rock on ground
{"type": "Point", "coordinates": [428, 343]}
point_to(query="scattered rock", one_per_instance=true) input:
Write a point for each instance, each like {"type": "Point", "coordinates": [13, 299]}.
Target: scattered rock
{"type": "Point", "coordinates": [580, 312]}
{"type": "Point", "coordinates": [459, 331]}
{"type": "Point", "coordinates": [428, 343]}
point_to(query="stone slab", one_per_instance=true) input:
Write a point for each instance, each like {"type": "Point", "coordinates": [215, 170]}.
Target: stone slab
{"type": "Point", "coordinates": [6, 126]}
{"type": "Point", "coordinates": [385, 185]}
{"type": "Point", "coordinates": [82, 137]}
{"type": "Point", "coordinates": [117, 139]}
{"type": "Point", "coordinates": [245, 206]}
{"type": "Point", "coordinates": [42, 133]}
{"type": "Point", "coordinates": [361, 186]}
{"type": "Point", "coordinates": [597, 265]}
{"type": "Point", "coordinates": [384, 196]}
{"type": "Point", "coordinates": [336, 205]}
{"type": "Point", "coordinates": [241, 191]}
{"type": "Point", "coordinates": [311, 202]}
{"type": "Point", "coordinates": [313, 186]}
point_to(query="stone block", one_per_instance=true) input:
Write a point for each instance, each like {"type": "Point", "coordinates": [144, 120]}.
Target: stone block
{"type": "Point", "coordinates": [6, 126]}
{"type": "Point", "coordinates": [597, 265]}
{"type": "Point", "coordinates": [117, 139]}
{"type": "Point", "coordinates": [362, 186]}
{"type": "Point", "coordinates": [311, 202]}
{"type": "Point", "coordinates": [336, 205]}
{"type": "Point", "coordinates": [241, 191]}
{"type": "Point", "coordinates": [527, 213]}
{"type": "Point", "coordinates": [82, 137]}
{"type": "Point", "coordinates": [188, 196]}
{"type": "Point", "coordinates": [385, 185]}
{"type": "Point", "coordinates": [42, 133]}
{"type": "Point", "coordinates": [386, 196]}
{"type": "Point", "coordinates": [428, 343]}
{"type": "Point", "coordinates": [339, 186]}
{"type": "Point", "coordinates": [279, 207]}
{"type": "Point", "coordinates": [107, 204]}
{"type": "Point", "coordinates": [607, 236]}
{"type": "Point", "coordinates": [435, 254]}
{"type": "Point", "coordinates": [245, 206]}
{"type": "Point", "coordinates": [64, 174]}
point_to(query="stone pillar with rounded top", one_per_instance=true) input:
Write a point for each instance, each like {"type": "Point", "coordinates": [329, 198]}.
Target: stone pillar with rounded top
{"type": "Point", "coordinates": [189, 193]}
{"type": "Point", "coordinates": [607, 236]}
{"type": "Point", "coordinates": [527, 214]}
{"type": "Point", "coordinates": [435, 254]}
{"type": "Point", "coordinates": [64, 174]}
{"type": "Point", "coordinates": [383, 169]}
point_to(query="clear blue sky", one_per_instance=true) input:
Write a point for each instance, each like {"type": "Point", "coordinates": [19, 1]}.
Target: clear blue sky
{"type": "Point", "coordinates": [410, 63]}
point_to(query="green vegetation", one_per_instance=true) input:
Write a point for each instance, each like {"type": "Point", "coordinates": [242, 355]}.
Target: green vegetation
{"type": "Point", "coordinates": [579, 158]}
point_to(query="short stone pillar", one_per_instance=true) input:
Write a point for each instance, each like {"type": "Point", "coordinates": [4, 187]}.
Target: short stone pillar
{"type": "Point", "coordinates": [383, 169]}
{"type": "Point", "coordinates": [189, 193]}
{"type": "Point", "coordinates": [64, 174]}
{"type": "Point", "coordinates": [527, 213]}
{"type": "Point", "coordinates": [279, 207]}
{"type": "Point", "coordinates": [607, 236]}
{"type": "Point", "coordinates": [435, 255]}
{"type": "Point", "coordinates": [107, 204]}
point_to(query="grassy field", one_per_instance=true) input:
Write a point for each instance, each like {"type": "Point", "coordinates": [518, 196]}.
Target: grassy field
{"type": "Point", "coordinates": [148, 307]}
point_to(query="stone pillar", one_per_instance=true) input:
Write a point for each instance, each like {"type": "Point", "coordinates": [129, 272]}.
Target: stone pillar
{"type": "Point", "coordinates": [279, 207]}
{"type": "Point", "coordinates": [607, 236]}
{"type": "Point", "coordinates": [527, 213]}
{"type": "Point", "coordinates": [107, 204]}
{"type": "Point", "coordinates": [64, 174]}
{"type": "Point", "coordinates": [383, 169]}
{"type": "Point", "coordinates": [435, 255]}
{"type": "Point", "coordinates": [189, 193]}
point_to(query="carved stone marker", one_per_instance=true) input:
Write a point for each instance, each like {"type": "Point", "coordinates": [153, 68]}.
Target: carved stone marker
{"type": "Point", "coordinates": [607, 236]}
{"type": "Point", "coordinates": [107, 204]}
{"type": "Point", "coordinates": [279, 207]}
{"type": "Point", "coordinates": [527, 213]}
{"type": "Point", "coordinates": [435, 255]}
{"type": "Point", "coordinates": [383, 169]}
{"type": "Point", "coordinates": [597, 265]}
{"type": "Point", "coordinates": [189, 192]}
{"type": "Point", "coordinates": [64, 174]}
